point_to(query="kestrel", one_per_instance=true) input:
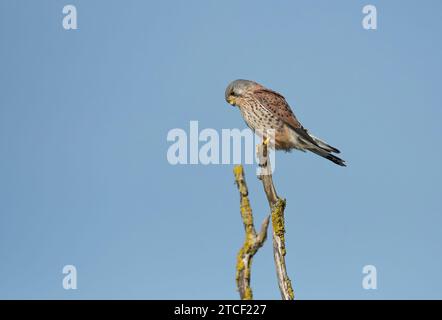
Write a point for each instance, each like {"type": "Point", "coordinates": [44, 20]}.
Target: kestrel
{"type": "Point", "coordinates": [264, 109]}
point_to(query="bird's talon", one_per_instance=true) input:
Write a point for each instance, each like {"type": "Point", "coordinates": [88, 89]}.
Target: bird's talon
{"type": "Point", "coordinates": [263, 165]}
{"type": "Point", "coordinates": [266, 141]}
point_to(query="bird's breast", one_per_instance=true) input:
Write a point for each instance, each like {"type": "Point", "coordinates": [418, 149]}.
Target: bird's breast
{"type": "Point", "coordinates": [259, 118]}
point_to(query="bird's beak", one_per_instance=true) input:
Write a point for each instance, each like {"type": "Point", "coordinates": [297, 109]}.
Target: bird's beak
{"type": "Point", "coordinates": [231, 100]}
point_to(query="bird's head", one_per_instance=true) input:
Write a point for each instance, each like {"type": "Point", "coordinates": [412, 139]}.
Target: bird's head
{"type": "Point", "coordinates": [237, 89]}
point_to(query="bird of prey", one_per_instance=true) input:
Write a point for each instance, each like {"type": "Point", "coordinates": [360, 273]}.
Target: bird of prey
{"type": "Point", "coordinates": [264, 109]}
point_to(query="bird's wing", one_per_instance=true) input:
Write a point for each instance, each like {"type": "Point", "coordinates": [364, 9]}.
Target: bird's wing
{"type": "Point", "coordinates": [278, 106]}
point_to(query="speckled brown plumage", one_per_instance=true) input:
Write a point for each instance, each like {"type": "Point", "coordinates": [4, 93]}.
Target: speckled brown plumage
{"type": "Point", "coordinates": [264, 109]}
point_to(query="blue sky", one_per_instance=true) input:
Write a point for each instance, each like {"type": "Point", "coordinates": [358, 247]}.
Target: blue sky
{"type": "Point", "coordinates": [84, 178]}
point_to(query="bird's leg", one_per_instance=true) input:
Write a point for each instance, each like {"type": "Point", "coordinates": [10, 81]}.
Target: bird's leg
{"type": "Point", "coordinates": [266, 140]}
{"type": "Point", "coordinates": [262, 151]}
{"type": "Point", "coordinates": [265, 147]}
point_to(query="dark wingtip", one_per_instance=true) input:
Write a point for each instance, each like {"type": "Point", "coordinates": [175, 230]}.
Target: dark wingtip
{"type": "Point", "coordinates": [336, 150]}
{"type": "Point", "coordinates": [336, 160]}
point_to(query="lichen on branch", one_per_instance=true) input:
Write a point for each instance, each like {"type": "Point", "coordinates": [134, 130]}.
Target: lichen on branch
{"type": "Point", "coordinates": [277, 207]}
{"type": "Point", "coordinates": [252, 242]}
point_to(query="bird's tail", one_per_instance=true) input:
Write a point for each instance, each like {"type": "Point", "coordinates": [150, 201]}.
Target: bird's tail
{"type": "Point", "coordinates": [325, 150]}
{"type": "Point", "coordinates": [328, 155]}
{"type": "Point", "coordinates": [323, 145]}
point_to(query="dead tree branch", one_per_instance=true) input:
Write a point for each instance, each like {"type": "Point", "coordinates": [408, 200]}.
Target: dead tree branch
{"type": "Point", "coordinates": [252, 242]}
{"type": "Point", "coordinates": [277, 206]}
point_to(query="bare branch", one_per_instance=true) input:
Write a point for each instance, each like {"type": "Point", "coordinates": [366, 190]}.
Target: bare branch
{"type": "Point", "coordinates": [277, 207]}
{"type": "Point", "coordinates": [252, 242]}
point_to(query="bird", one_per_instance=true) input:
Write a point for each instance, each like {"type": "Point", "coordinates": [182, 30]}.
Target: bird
{"type": "Point", "coordinates": [263, 109]}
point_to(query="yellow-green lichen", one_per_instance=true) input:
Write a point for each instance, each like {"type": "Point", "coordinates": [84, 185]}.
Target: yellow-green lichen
{"type": "Point", "coordinates": [246, 214]}
{"type": "Point", "coordinates": [278, 222]}
{"type": "Point", "coordinates": [238, 170]}
{"type": "Point", "coordinates": [248, 295]}
{"type": "Point", "coordinates": [243, 271]}
{"type": "Point", "coordinates": [290, 289]}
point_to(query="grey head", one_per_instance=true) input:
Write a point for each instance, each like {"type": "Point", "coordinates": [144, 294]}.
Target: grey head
{"type": "Point", "coordinates": [237, 88]}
